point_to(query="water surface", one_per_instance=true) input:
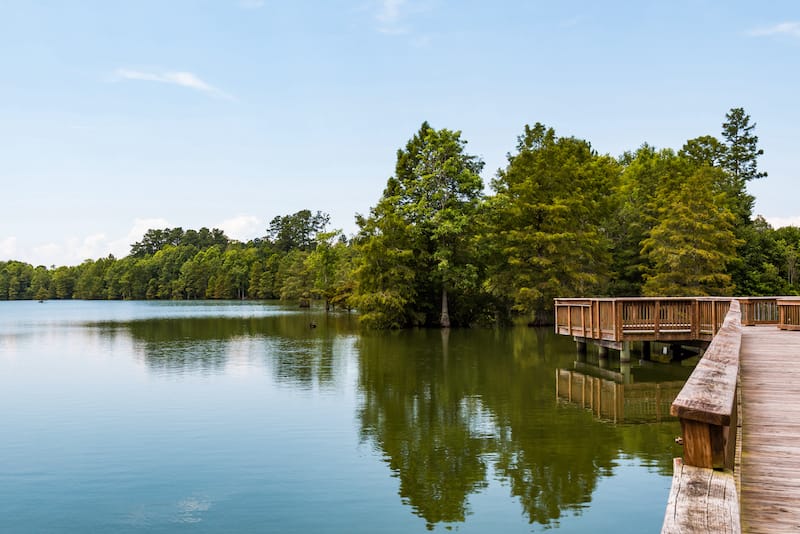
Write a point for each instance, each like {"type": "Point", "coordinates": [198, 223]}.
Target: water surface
{"type": "Point", "coordinates": [241, 417]}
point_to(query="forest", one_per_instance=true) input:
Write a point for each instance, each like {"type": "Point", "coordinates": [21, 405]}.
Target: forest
{"type": "Point", "coordinates": [437, 249]}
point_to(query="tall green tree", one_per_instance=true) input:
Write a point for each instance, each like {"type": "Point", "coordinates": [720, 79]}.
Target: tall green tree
{"type": "Point", "coordinates": [636, 213]}
{"type": "Point", "coordinates": [547, 223]}
{"type": "Point", "coordinates": [427, 216]}
{"type": "Point", "coordinates": [741, 157]}
{"type": "Point", "coordinates": [694, 241]}
{"type": "Point", "coordinates": [297, 231]}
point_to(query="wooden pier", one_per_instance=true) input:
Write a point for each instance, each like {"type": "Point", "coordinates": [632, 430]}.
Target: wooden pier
{"type": "Point", "coordinates": [739, 410]}
{"type": "Point", "coordinates": [770, 464]}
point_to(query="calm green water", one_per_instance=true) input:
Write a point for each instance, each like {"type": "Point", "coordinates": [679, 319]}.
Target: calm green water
{"type": "Point", "coordinates": [239, 417]}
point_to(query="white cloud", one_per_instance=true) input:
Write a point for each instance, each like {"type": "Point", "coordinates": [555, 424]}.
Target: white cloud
{"type": "Point", "coordinates": [790, 28]}
{"type": "Point", "coordinates": [182, 79]}
{"type": "Point", "coordinates": [242, 227]}
{"type": "Point", "coordinates": [121, 247]}
{"type": "Point", "coordinates": [8, 248]}
{"type": "Point", "coordinates": [390, 17]}
{"type": "Point", "coordinates": [74, 250]}
{"type": "Point", "coordinates": [390, 11]}
{"type": "Point", "coordinates": [779, 222]}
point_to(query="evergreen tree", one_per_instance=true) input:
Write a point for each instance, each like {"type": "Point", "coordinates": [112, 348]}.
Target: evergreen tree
{"type": "Point", "coordinates": [424, 222]}
{"type": "Point", "coordinates": [547, 224]}
{"type": "Point", "coordinates": [694, 239]}
{"type": "Point", "coordinates": [740, 160]}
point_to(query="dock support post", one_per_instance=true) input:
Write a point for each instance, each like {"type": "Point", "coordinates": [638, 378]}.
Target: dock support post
{"type": "Point", "coordinates": [580, 346]}
{"type": "Point", "coordinates": [625, 353]}
{"type": "Point", "coordinates": [625, 370]}
{"type": "Point", "coordinates": [646, 349]}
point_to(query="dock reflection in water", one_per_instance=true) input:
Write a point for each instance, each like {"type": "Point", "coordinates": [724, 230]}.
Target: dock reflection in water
{"type": "Point", "coordinates": [614, 396]}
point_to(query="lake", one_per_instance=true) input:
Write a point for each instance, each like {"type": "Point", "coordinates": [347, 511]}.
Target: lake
{"type": "Point", "coordinates": [242, 417]}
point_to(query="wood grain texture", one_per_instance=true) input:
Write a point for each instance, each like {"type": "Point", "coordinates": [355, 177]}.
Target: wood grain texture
{"type": "Point", "coordinates": [709, 395]}
{"type": "Point", "coordinates": [770, 462]}
{"type": "Point", "coordinates": [701, 500]}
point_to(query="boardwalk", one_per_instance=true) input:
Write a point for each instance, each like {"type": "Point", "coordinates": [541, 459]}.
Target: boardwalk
{"type": "Point", "coordinates": [764, 358]}
{"type": "Point", "coordinates": [770, 470]}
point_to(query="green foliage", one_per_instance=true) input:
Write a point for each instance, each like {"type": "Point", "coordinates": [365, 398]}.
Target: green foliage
{"type": "Point", "coordinates": [563, 221]}
{"type": "Point", "coordinates": [693, 242]}
{"type": "Point", "coordinates": [416, 245]}
{"type": "Point", "coordinates": [298, 231]}
{"type": "Point", "coordinates": [545, 228]}
{"type": "Point", "coordinates": [155, 240]}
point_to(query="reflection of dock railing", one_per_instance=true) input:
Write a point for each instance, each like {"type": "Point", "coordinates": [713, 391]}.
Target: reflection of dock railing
{"type": "Point", "coordinates": [610, 398]}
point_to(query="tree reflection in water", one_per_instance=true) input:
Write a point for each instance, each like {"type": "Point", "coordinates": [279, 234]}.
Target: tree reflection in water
{"type": "Point", "coordinates": [296, 354]}
{"type": "Point", "coordinates": [447, 412]}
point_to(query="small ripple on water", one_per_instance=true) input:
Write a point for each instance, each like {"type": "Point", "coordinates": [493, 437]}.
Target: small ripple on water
{"type": "Point", "coordinates": [190, 510]}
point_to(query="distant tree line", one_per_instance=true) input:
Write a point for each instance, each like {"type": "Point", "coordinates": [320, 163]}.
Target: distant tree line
{"type": "Point", "coordinates": [436, 250]}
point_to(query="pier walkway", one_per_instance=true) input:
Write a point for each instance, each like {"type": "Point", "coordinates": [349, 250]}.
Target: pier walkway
{"type": "Point", "coordinates": [739, 411]}
{"type": "Point", "coordinates": [770, 434]}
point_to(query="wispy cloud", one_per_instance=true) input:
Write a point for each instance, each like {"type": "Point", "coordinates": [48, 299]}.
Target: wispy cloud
{"type": "Point", "coordinates": [242, 227]}
{"type": "Point", "coordinates": [390, 17]}
{"type": "Point", "coordinates": [8, 248]}
{"type": "Point", "coordinates": [73, 250]}
{"type": "Point", "coordinates": [789, 28]}
{"type": "Point", "coordinates": [251, 4]}
{"type": "Point", "coordinates": [779, 222]}
{"type": "Point", "coordinates": [180, 78]}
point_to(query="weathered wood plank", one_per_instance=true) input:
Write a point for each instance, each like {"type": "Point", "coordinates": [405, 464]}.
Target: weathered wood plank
{"type": "Point", "coordinates": [706, 405]}
{"type": "Point", "coordinates": [701, 500]}
{"type": "Point", "coordinates": [770, 470]}
{"type": "Point", "coordinates": [710, 393]}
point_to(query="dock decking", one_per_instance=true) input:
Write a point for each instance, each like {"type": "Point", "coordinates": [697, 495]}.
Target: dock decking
{"type": "Point", "coordinates": [770, 468]}
{"type": "Point", "coordinates": [756, 340]}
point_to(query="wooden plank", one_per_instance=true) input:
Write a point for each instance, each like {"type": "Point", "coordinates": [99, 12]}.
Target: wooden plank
{"type": "Point", "coordinates": [701, 501]}
{"type": "Point", "coordinates": [770, 463]}
{"type": "Point", "coordinates": [710, 392]}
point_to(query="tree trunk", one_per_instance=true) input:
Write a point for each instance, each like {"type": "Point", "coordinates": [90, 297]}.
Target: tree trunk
{"type": "Point", "coordinates": [444, 320]}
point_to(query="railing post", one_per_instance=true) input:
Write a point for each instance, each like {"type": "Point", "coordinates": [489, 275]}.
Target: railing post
{"type": "Point", "coordinates": [656, 318]}
{"type": "Point", "coordinates": [569, 319]}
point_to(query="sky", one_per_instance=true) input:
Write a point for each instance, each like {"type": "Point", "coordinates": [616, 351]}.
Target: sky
{"type": "Point", "coordinates": [117, 117]}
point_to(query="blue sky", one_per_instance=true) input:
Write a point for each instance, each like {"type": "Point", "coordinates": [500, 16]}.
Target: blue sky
{"type": "Point", "coordinates": [120, 116]}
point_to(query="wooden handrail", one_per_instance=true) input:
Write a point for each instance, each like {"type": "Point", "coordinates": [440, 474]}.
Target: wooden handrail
{"type": "Point", "coordinates": [664, 319]}
{"type": "Point", "coordinates": [703, 497]}
{"type": "Point", "coordinates": [706, 406]}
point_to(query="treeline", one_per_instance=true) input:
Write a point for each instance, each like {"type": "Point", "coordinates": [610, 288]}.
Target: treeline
{"type": "Point", "coordinates": [297, 260]}
{"type": "Point", "coordinates": [562, 220]}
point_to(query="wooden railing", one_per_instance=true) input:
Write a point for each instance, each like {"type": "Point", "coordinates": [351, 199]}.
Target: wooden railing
{"type": "Point", "coordinates": [703, 497]}
{"type": "Point", "coordinates": [759, 310]}
{"type": "Point", "coordinates": [641, 318]}
{"type": "Point", "coordinates": [789, 313]}
{"type": "Point", "coordinates": [664, 318]}
{"type": "Point", "coordinates": [706, 406]}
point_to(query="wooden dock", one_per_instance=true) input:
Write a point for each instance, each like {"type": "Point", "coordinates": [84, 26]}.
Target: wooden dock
{"type": "Point", "coordinates": [770, 465]}
{"type": "Point", "coordinates": [755, 441]}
